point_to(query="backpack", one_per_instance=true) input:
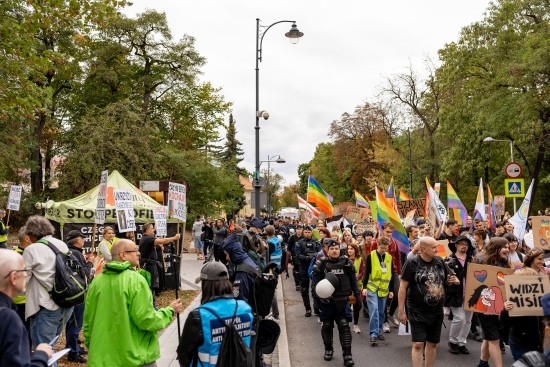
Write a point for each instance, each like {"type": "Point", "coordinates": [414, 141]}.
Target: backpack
{"type": "Point", "coordinates": [263, 289]}
{"type": "Point", "coordinates": [70, 282]}
{"type": "Point", "coordinates": [233, 351]}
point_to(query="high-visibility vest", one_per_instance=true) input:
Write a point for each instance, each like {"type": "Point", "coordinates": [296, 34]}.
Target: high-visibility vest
{"type": "Point", "coordinates": [378, 281]}
{"type": "Point", "coordinates": [3, 237]}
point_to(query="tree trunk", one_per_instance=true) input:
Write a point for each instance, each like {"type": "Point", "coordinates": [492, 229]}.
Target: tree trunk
{"type": "Point", "coordinates": [36, 157]}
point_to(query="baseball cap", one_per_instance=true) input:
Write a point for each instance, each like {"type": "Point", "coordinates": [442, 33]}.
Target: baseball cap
{"type": "Point", "coordinates": [257, 224]}
{"type": "Point", "coordinates": [73, 234]}
{"type": "Point", "coordinates": [213, 271]}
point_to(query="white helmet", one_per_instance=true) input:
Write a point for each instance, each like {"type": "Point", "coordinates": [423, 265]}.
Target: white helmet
{"type": "Point", "coordinates": [326, 287]}
{"type": "Point", "coordinates": [280, 238]}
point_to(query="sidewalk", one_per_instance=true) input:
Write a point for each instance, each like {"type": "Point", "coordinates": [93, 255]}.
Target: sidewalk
{"type": "Point", "coordinates": [169, 340]}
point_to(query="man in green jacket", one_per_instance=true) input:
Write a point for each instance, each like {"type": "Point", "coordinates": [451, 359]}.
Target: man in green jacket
{"type": "Point", "coordinates": [120, 323]}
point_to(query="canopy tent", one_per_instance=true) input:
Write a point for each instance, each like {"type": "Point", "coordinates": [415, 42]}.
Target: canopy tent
{"type": "Point", "coordinates": [82, 208]}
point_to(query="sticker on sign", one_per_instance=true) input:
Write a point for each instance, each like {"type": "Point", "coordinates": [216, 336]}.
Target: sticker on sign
{"type": "Point", "coordinates": [513, 170]}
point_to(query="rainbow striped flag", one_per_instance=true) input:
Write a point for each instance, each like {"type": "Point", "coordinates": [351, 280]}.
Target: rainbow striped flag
{"type": "Point", "coordinates": [402, 196]}
{"type": "Point", "coordinates": [491, 208]}
{"type": "Point", "coordinates": [453, 202]}
{"type": "Point", "coordinates": [316, 195]}
{"type": "Point", "coordinates": [390, 194]}
{"type": "Point", "coordinates": [386, 213]}
{"type": "Point", "coordinates": [360, 200]}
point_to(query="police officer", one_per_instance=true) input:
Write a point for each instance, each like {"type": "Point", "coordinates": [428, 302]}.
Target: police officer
{"type": "Point", "coordinates": [341, 271]}
{"type": "Point", "coordinates": [292, 244]}
{"type": "Point", "coordinates": [305, 251]}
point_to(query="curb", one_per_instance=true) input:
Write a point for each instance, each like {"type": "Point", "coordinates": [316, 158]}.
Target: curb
{"type": "Point", "coordinates": [282, 344]}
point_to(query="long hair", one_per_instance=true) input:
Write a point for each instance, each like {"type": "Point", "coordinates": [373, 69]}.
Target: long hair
{"type": "Point", "coordinates": [215, 288]}
{"type": "Point", "coordinates": [477, 294]}
{"type": "Point", "coordinates": [531, 256]}
{"type": "Point", "coordinates": [355, 249]}
{"type": "Point", "coordinates": [492, 252]}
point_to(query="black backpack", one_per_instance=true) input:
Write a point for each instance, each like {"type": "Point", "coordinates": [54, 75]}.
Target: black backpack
{"type": "Point", "coordinates": [233, 350]}
{"type": "Point", "coordinates": [263, 289]}
{"type": "Point", "coordinates": [70, 282]}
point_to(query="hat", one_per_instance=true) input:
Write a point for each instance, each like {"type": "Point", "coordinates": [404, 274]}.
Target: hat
{"type": "Point", "coordinates": [471, 247]}
{"type": "Point", "coordinates": [257, 224]}
{"type": "Point", "coordinates": [213, 271]}
{"type": "Point", "coordinates": [268, 334]}
{"type": "Point", "coordinates": [73, 234]}
{"type": "Point", "coordinates": [307, 228]}
{"type": "Point", "coordinates": [545, 300]}
{"type": "Point", "coordinates": [299, 226]}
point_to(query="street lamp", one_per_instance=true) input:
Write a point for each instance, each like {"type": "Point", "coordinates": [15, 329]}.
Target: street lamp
{"type": "Point", "coordinates": [269, 160]}
{"type": "Point", "coordinates": [490, 140]}
{"type": "Point", "coordinates": [294, 35]}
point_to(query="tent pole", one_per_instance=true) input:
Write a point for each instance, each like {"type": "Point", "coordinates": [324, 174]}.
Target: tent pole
{"type": "Point", "coordinates": [93, 237]}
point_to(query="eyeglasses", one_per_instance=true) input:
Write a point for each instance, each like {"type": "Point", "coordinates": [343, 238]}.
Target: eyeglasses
{"type": "Point", "coordinates": [17, 271]}
{"type": "Point", "coordinates": [131, 251]}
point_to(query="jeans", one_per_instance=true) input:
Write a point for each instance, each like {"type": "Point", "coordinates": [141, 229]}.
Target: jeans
{"type": "Point", "coordinates": [74, 324]}
{"type": "Point", "coordinates": [460, 326]}
{"type": "Point", "coordinates": [46, 325]}
{"type": "Point", "coordinates": [376, 310]}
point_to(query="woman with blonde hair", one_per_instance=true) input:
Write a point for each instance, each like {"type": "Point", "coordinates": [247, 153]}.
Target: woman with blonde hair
{"type": "Point", "coordinates": [104, 249]}
{"type": "Point", "coordinates": [534, 260]}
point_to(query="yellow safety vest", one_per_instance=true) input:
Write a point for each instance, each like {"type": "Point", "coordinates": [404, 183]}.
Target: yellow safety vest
{"type": "Point", "coordinates": [3, 237]}
{"type": "Point", "coordinates": [19, 300]}
{"type": "Point", "coordinates": [109, 245]}
{"type": "Point", "coordinates": [378, 281]}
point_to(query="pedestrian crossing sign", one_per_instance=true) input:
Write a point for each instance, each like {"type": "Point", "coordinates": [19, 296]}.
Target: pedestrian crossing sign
{"type": "Point", "coordinates": [514, 188]}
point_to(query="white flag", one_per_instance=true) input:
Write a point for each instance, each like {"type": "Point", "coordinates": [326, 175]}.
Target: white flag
{"type": "Point", "coordinates": [519, 220]}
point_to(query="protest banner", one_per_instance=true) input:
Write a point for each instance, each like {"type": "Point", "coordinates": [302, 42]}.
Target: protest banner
{"type": "Point", "coordinates": [159, 214]}
{"type": "Point", "coordinates": [499, 205]}
{"type": "Point", "coordinates": [124, 211]}
{"type": "Point", "coordinates": [359, 228]}
{"type": "Point", "coordinates": [405, 206]}
{"type": "Point", "coordinates": [541, 232]}
{"type": "Point", "coordinates": [431, 219]}
{"type": "Point", "coordinates": [357, 213]}
{"type": "Point", "coordinates": [101, 198]}
{"type": "Point", "coordinates": [525, 292]}
{"type": "Point", "coordinates": [485, 291]}
{"type": "Point", "coordinates": [14, 199]}
{"type": "Point", "coordinates": [177, 201]}
{"type": "Point", "coordinates": [443, 248]}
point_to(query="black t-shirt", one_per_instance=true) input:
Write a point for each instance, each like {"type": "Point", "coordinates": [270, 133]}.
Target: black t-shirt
{"type": "Point", "coordinates": [445, 236]}
{"type": "Point", "coordinates": [426, 292]}
{"type": "Point", "coordinates": [147, 248]}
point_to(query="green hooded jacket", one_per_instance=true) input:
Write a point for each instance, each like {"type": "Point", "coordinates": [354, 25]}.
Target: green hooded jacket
{"type": "Point", "coordinates": [120, 323]}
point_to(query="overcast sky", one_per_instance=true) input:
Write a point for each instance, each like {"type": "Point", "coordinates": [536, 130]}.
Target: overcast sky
{"type": "Point", "coordinates": [347, 49]}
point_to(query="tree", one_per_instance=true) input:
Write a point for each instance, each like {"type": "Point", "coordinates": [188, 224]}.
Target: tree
{"type": "Point", "coordinates": [288, 198]}
{"type": "Point", "coordinates": [232, 151]}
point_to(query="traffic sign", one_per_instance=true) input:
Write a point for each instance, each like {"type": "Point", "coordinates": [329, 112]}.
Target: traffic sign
{"type": "Point", "coordinates": [514, 187]}
{"type": "Point", "coordinates": [513, 170]}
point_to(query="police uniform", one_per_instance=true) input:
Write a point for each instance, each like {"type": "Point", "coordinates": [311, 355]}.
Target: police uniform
{"type": "Point", "coordinates": [305, 251]}
{"type": "Point", "coordinates": [337, 308]}
{"type": "Point", "coordinates": [292, 244]}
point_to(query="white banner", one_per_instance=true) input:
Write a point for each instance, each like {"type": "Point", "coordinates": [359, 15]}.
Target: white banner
{"type": "Point", "coordinates": [440, 211]}
{"type": "Point", "coordinates": [14, 200]}
{"type": "Point", "coordinates": [519, 220]}
{"type": "Point", "coordinates": [159, 213]}
{"type": "Point", "coordinates": [124, 211]}
{"type": "Point", "coordinates": [177, 201]}
{"type": "Point", "coordinates": [101, 198]}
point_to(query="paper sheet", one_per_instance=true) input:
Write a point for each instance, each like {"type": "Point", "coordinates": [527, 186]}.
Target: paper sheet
{"type": "Point", "coordinates": [58, 355]}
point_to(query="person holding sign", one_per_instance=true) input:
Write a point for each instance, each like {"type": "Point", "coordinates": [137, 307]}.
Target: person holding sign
{"type": "Point", "coordinates": [496, 254]}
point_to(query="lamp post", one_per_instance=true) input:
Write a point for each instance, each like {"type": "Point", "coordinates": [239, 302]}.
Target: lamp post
{"type": "Point", "coordinates": [490, 140]}
{"type": "Point", "coordinates": [410, 163]}
{"type": "Point", "coordinates": [269, 160]}
{"type": "Point", "coordinates": [294, 35]}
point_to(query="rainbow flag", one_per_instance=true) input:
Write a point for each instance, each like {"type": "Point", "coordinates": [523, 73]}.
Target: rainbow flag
{"type": "Point", "coordinates": [479, 210]}
{"type": "Point", "coordinates": [402, 196]}
{"type": "Point", "coordinates": [386, 213]}
{"type": "Point", "coordinates": [316, 195]}
{"type": "Point", "coordinates": [453, 202]}
{"type": "Point", "coordinates": [390, 194]}
{"type": "Point", "coordinates": [360, 200]}
{"type": "Point", "coordinates": [491, 208]}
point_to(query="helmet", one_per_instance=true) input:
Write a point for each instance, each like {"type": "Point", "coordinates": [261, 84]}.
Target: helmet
{"type": "Point", "coordinates": [326, 287]}
{"type": "Point", "coordinates": [280, 238]}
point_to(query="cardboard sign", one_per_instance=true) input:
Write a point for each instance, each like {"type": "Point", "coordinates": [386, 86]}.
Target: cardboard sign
{"type": "Point", "coordinates": [525, 292]}
{"type": "Point", "coordinates": [359, 228]}
{"type": "Point", "coordinates": [499, 205]}
{"type": "Point", "coordinates": [101, 198]}
{"type": "Point", "coordinates": [485, 291]}
{"type": "Point", "coordinates": [124, 211]}
{"type": "Point", "coordinates": [160, 214]}
{"type": "Point", "coordinates": [541, 232]}
{"type": "Point", "coordinates": [14, 200]}
{"type": "Point", "coordinates": [431, 220]}
{"type": "Point", "coordinates": [405, 206]}
{"type": "Point", "coordinates": [443, 248]}
{"type": "Point", "coordinates": [357, 213]}
{"type": "Point", "coordinates": [177, 201]}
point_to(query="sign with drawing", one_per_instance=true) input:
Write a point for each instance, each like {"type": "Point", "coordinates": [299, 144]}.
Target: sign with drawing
{"type": "Point", "coordinates": [485, 288]}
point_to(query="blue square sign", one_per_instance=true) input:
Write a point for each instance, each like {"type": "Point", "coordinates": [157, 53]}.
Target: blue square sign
{"type": "Point", "coordinates": [514, 187]}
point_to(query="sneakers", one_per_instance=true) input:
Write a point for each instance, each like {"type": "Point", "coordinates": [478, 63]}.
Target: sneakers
{"type": "Point", "coordinates": [394, 320]}
{"type": "Point", "coordinates": [463, 350]}
{"type": "Point", "coordinates": [453, 348]}
{"type": "Point", "coordinates": [83, 351]}
{"type": "Point", "coordinates": [386, 327]}
{"type": "Point", "coordinates": [356, 329]}
{"type": "Point", "coordinates": [373, 341]}
{"type": "Point", "coordinates": [308, 313]}
{"type": "Point", "coordinates": [328, 355]}
{"type": "Point", "coordinates": [316, 310]}
{"type": "Point", "coordinates": [380, 337]}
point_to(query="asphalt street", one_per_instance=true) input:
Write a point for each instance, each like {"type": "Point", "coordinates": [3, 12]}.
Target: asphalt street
{"type": "Point", "coordinates": [306, 346]}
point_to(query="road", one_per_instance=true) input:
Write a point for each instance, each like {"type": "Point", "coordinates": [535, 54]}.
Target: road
{"type": "Point", "coordinates": [306, 346]}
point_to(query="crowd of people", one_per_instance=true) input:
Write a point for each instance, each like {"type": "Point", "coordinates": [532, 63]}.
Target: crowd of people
{"type": "Point", "coordinates": [339, 272]}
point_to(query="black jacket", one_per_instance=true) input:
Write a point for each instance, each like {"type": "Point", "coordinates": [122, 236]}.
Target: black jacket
{"type": "Point", "coordinates": [14, 342]}
{"type": "Point", "coordinates": [454, 294]}
{"type": "Point", "coordinates": [77, 252]}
